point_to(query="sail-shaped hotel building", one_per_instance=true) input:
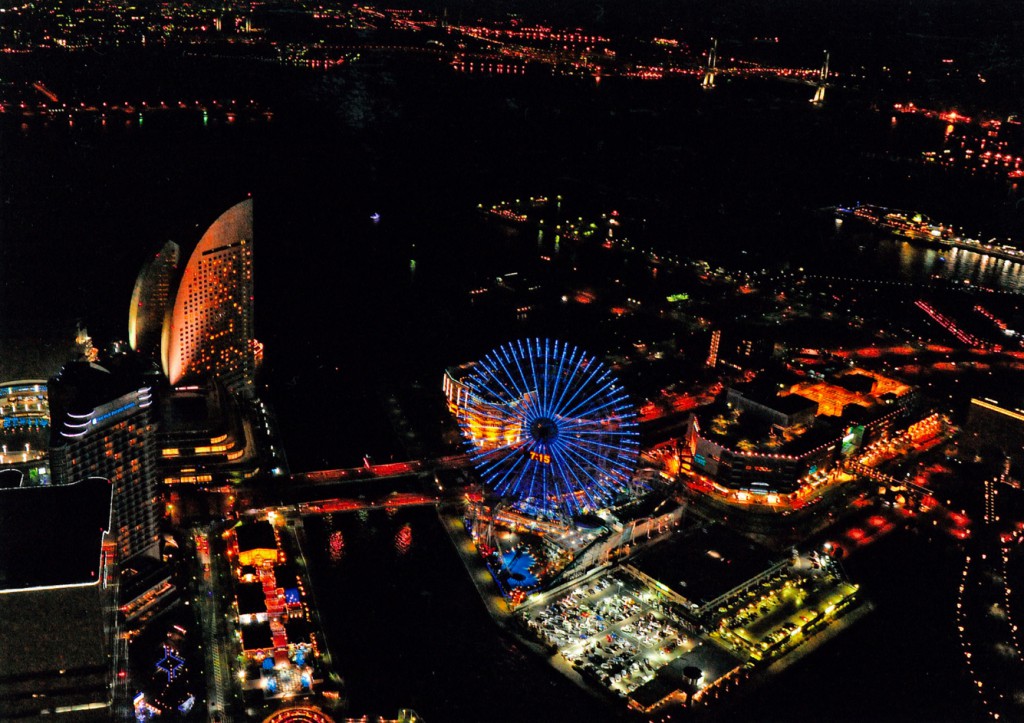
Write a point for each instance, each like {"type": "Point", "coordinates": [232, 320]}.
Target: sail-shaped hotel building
{"type": "Point", "coordinates": [208, 331]}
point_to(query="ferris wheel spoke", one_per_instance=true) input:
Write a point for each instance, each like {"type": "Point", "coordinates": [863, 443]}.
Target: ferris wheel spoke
{"type": "Point", "coordinates": [547, 377]}
{"type": "Point", "coordinates": [497, 380]}
{"type": "Point", "coordinates": [580, 466]}
{"type": "Point", "coordinates": [501, 377]}
{"type": "Point", "coordinates": [599, 428]}
{"type": "Point", "coordinates": [537, 379]}
{"type": "Point", "coordinates": [509, 469]}
{"type": "Point", "coordinates": [591, 446]}
{"type": "Point", "coordinates": [557, 376]}
{"type": "Point", "coordinates": [603, 388]}
{"type": "Point", "coordinates": [567, 407]}
{"type": "Point", "coordinates": [561, 380]}
{"type": "Point", "coordinates": [593, 416]}
{"type": "Point", "coordinates": [590, 456]}
{"type": "Point", "coordinates": [580, 484]}
{"type": "Point", "coordinates": [506, 374]}
{"type": "Point", "coordinates": [528, 386]}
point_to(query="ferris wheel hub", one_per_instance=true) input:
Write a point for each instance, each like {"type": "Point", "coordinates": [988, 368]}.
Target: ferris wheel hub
{"type": "Point", "coordinates": [544, 430]}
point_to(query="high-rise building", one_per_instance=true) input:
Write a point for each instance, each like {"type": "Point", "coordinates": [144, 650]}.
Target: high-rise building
{"type": "Point", "coordinates": [211, 328]}
{"type": "Point", "coordinates": [712, 360]}
{"type": "Point", "coordinates": [102, 424]}
{"type": "Point", "coordinates": [994, 430]}
{"type": "Point", "coordinates": [149, 317]}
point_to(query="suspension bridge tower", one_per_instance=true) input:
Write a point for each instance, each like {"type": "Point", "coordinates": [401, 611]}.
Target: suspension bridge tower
{"type": "Point", "coordinates": [708, 81]}
{"type": "Point", "coordinates": [819, 91]}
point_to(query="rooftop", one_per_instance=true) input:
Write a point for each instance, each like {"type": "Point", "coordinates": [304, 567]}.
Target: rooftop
{"type": "Point", "coordinates": [256, 636]}
{"type": "Point", "coordinates": [705, 563]}
{"type": "Point", "coordinates": [251, 599]}
{"type": "Point", "coordinates": [256, 536]}
{"type": "Point", "coordinates": [52, 535]}
{"type": "Point", "coordinates": [712, 661]}
{"type": "Point", "coordinates": [41, 669]}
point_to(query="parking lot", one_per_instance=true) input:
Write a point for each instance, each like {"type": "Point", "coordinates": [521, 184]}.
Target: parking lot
{"type": "Point", "coordinates": [766, 620]}
{"type": "Point", "coordinates": [612, 629]}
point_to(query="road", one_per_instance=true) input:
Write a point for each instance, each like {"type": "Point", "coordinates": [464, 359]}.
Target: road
{"type": "Point", "coordinates": [209, 580]}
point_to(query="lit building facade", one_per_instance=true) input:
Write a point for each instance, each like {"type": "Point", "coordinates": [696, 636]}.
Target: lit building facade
{"type": "Point", "coordinates": [103, 425]}
{"type": "Point", "coordinates": [793, 436]}
{"type": "Point", "coordinates": [486, 432]}
{"type": "Point", "coordinates": [994, 429]}
{"type": "Point", "coordinates": [149, 318]}
{"type": "Point", "coordinates": [24, 427]}
{"type": "Point", "coordinates": [204, 438]}
{"type": "Point", "coordinates": [210, 334]}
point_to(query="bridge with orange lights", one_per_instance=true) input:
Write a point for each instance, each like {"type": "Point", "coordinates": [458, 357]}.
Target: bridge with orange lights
{"type": "Point", "coordinates": [386, 470]}
{"type": "Point", "coordinates": [299, 715]}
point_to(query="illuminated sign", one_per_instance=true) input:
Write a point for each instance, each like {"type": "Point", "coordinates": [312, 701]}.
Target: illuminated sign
{"type": "Point", "coordinates": [25, 421]}
{"type": "Point", "coordinates": [113, 412]}
{"type": "Point", "coordinates": [677, 297]}
{"type": "Point", "coordinates": [699, 459]}
{"type": "Point", "coordinates": [539, 457]}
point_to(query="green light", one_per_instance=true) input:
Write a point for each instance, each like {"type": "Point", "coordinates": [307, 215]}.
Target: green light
{"type": "Point", "coordinates": [677, 297]}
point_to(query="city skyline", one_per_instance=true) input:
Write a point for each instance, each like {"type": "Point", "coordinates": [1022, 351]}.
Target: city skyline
{"type": "Point", "coordinates": [611, 363]}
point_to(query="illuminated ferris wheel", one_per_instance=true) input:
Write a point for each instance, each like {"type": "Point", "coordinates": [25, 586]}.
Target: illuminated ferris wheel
{"type": "Point", "coordinates": [549, 427]}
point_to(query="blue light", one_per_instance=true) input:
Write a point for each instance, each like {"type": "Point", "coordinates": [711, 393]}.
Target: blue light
{"type": "Point", "coordinates": [112, 412]}
{"type": "Point", "coordinates": [559, 434]}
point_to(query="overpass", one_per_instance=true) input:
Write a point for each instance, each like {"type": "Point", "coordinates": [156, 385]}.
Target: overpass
{"type": "Point", "coordinates": [381, 471]}
{"type": "Point", "coordinates": [883, 478]}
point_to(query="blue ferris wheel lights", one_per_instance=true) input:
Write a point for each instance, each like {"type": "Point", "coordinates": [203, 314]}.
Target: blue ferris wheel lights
{"type": "Point", "coordinates": [550, 427]}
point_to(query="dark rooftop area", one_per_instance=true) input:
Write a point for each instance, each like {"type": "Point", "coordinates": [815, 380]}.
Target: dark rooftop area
{"type": "Point", "coordinates": [860, 383]}
{"type": "Point", "coordinates": [189, 410]}
{"type": "Point", "coordinates": [256, 636]}
{"type": "Point", "coordinates": [285, 576]}
{"type": "Point", "coordinates": [712, 661]}
{"type": "Point", "coordinates": [10, 478]}
{"type": "Point", "coordinates": [792, 403]}
{"type": "Point", "coordinates": [298, 630]}
{"type": "Point", "coordinates": [52, 535]}
{"type": "Point", "coordinates": [53, 651]}
{"type": "Point", "coordinates": [650, 505]}
{"type": "Point", "coordinates": [701, 565]}
{"type": "Point", "coordinates": [251, 600]}
{"type": "Point", "coordinates": [256, 536]}
{"type": "Point", "coordinates": [142, 574]}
